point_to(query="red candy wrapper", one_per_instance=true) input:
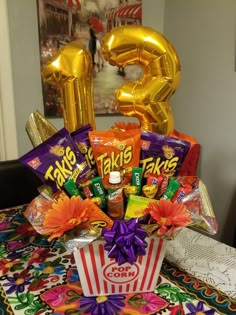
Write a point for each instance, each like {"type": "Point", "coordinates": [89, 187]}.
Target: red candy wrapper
{"type": "Point", "coordinates": [162, 187]}
{"type": "Point", "coordinates": [154, 179]}
{"type": "Point", "coordinates": [181, 193]}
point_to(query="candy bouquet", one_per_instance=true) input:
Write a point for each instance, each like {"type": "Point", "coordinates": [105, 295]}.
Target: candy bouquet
{"type": "Point", "coordinates": [117, 232]}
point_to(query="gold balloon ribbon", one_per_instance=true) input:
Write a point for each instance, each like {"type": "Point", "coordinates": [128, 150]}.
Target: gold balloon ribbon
{"type": "Point", "coordinates": [71, 70]}
{"type": "Point", "coordinates": [147, 98]}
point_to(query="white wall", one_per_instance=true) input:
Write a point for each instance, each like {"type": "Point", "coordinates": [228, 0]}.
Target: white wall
{"type": "Point", "coordinates": [8, 138]}
{"type": "Point", "coordinates": [27, 91]}
{"type": "Point", "coordinates": [203, 33]}
{"type": "Point", "coordinates": [153, 14]}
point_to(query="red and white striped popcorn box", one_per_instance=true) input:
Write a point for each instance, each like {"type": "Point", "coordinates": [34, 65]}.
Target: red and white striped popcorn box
{"type": "Point", "coordinates": [101, 275]}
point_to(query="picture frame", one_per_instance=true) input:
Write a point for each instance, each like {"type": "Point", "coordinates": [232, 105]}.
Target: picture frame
{"type": "Point", "coordinates": [62, 21]}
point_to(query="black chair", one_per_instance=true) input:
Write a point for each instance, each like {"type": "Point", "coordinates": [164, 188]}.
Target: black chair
{"type": "Point", "coordinates": [18, 184]}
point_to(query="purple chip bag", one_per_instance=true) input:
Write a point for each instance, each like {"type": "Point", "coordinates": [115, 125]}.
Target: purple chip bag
{"type": "Point", "coordinates": [81, 139]}
{"type": "Point", "coordinates": [162, 154]}
{"type": "Point", "coordinates": [56, 160]}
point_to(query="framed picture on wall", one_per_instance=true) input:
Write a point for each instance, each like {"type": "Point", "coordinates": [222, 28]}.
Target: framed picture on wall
{"type": "Point", "coordinates": [63, 21]}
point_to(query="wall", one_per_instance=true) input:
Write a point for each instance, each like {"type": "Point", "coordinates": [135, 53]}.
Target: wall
{"type": "Point", "coordinates": [203, 33]}
{"type": "Point", "coordinates": [8, 138]}
{"type": "Point", "coordinates": [27, 92]}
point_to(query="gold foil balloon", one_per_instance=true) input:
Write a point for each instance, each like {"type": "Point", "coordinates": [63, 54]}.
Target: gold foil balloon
{"type": "Point", "coordinates": [147, 98]}
{"type": "Point", "coordinates": [71, 69]}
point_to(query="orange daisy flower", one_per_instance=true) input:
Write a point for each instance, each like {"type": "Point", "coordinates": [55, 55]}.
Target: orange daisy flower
{"type": "Point", "coordinates": [168, 215]}
{"type": "Point", "coordinates": [65, 215]}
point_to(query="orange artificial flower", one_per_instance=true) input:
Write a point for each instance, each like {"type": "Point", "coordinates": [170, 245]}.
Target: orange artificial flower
{"type": "Point", "coordinates": [65, 215]}
{"type": "Point", "coordinates": [122, 126]}
{"type": "Point", "coordinates": [168, 215]}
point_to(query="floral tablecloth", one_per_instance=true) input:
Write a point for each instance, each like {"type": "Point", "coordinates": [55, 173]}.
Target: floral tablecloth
{"type": "Point", "coordinates": [38, 277]}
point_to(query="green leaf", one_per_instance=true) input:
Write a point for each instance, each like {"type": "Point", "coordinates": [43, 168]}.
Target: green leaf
{"type": "Point", "coordinates": [173, 293]}
{"type": "Point", "coordinates": [2, 252]}
{"type": "Point", "coordinates": [21, 306]}
{"type": "Point", "coordinates": [34, 308]}
{"type": "Point", "coordinates": [17, 267]}
{"type": "Point", "coordinates": [174, 297]}
{"type": "Point", "coordinates": [73, 296]}
{"type": "Point", "coordinates": [55, 262]}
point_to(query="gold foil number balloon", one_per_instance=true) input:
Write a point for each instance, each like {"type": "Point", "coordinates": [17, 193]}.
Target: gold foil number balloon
{"type": "Point", "coordinates": [71, 69]}
{"type": "Point", "coordinates": [147, 98]}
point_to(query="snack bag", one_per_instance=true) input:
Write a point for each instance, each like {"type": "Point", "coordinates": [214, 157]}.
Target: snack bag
{"type": "Point", "coordinates": [81, 140]}
{"type": "Point", "coordinates": [36, 211]}
{"type": "Point", "coordinates": [162, 154]}
{"type": "Point", "coordinates": [136, 206]}
{"type": "Point", "coordinates": [199, 205]}
{"type": "Point", "coordinates": [56, 160]}
{"type": "Point", "coordinates": [115, 151]}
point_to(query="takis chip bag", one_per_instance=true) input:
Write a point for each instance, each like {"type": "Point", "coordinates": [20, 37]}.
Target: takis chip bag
{"type": "Point", "coordinates": [115, 151]}
{"type": "Point", "coordinates": [162, 154]}
{"type": "Point", "coordinates": [81, 139]}
{"type": "Point", "coordinates": [56, 160]}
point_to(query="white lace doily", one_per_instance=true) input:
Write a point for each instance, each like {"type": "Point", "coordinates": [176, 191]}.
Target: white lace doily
{"type": "Point", "coordinates": [207, 259]}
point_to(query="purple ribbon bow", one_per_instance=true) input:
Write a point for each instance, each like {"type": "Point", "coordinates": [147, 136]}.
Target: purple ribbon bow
{"type": "Point", "coordinates": [125, 241]}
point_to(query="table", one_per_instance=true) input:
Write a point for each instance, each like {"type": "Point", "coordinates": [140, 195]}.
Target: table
{"type": "Point", "coordinates": [38, 277]}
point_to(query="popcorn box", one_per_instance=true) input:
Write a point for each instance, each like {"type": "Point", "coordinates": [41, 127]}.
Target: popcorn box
{"type": "Point", "coordinates": [101, 275]}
